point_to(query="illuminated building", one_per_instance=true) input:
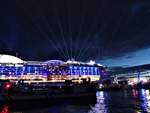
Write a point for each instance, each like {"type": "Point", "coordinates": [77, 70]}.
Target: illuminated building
{"type": "Point", "coordinates": [133, 75]}
{"type": "Point", "coordinates": [53, 70]}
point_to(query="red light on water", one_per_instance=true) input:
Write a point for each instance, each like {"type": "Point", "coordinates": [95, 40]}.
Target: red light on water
{"type": "Point", "coordinates": [134, 93]}
{"type": "Point", "coordinates": [5, 109]}
{"type": "Point", "coordinates": [7, 86]}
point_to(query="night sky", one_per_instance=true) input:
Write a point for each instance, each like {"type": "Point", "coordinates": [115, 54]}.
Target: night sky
{"type": "Point", "coordinates": [112, 32]}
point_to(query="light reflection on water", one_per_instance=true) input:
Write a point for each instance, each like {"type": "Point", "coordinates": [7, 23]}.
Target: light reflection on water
{"type": "Point", "coordinates": [128, 101]}
{"type": "Point", "coordinates": [135, 101]}
{"type": "Point", "coordinates": [145, 100]}
{"type": "Point", "coordinates": [100, 106]}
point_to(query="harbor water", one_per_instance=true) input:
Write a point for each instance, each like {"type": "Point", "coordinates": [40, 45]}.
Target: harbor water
{"type": "Point", "coordinates": [126, 101]}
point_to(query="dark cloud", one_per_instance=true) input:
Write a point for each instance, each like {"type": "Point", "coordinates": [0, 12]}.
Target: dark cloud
{"type": "Point", "coordinates": [81, 29]}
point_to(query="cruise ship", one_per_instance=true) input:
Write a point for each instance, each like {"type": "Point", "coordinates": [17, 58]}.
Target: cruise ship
{"type": "Point", "coordinates": [14, 68]}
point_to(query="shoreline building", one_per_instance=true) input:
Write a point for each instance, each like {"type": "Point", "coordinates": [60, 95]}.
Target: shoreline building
{"type": "Point", "coordinates": [133, 75]}
{"type": "Point", "coordinates": [14, 68]}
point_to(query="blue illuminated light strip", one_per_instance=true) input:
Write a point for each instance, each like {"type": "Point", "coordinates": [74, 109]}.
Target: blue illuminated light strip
{"type": "Point", "coordinates": [41, 70]}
